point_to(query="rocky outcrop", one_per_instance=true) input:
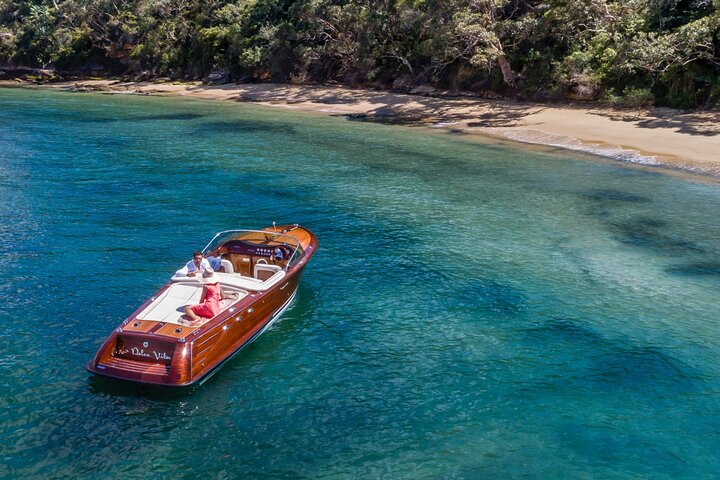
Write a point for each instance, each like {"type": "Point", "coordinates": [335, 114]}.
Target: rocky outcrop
{"type": "Point", "coordinates": [217, 77]}
{"type": "Point", "coordinates": [582, 88]}
{"type": "Point", "coordinates": [27, 73]}
{"type": "Point", "coordinates": [426, 90]}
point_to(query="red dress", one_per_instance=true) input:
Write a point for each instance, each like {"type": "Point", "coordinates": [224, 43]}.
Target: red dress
{"type": "Point", "coordinates": [211, 305]}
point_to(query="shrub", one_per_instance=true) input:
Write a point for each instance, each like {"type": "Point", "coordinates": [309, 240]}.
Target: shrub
{"type": "Point", "coordinates": [632, 97]}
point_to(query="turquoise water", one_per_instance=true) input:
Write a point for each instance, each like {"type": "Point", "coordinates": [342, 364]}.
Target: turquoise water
{"type": "Point", "coordinates": [474, 310]}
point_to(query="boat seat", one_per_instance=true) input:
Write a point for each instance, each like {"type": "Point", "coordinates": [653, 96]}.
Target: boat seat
{"type": "Point", "coordinates": [263, 271]}
{"type": "Point", "coordinates": [170, 305]}
{"type": "Point", "coordinates": [227, 266]}
{"type": "Point", "coordinates": [242, 264]}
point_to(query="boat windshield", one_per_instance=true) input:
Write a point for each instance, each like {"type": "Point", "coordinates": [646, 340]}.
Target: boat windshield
{"type": "Point", "coordinates": [260, 238]}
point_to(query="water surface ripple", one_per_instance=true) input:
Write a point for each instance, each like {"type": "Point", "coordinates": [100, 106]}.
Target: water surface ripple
{"type": "Point", "coordinates": [474, 310]}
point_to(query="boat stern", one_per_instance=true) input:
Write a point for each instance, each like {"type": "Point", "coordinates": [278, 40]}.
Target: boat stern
{"type": "Point", "coordinates": [145, 358]}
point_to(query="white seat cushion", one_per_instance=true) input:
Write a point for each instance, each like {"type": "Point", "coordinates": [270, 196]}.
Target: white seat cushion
{"type": "Point", "coordinates": [170, 306]}
{"type": "Point", "coordinates": [227, 265]}
{"type": "Point", "coordinates": [264, 271]}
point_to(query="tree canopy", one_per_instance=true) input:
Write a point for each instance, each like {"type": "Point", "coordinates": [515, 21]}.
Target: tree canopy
{"type": "Point", "coordinates": [633, 51]}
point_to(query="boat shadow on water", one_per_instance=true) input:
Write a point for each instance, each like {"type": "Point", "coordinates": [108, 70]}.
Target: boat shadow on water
{"type": "Point", "coordinates": [105, 386]}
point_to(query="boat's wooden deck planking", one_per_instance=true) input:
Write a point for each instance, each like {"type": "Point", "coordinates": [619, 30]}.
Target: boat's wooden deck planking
{"type": "Point", "coordinates": [304, 236]}
{"type": "Point", "coordinates": [174, 330]}
{"type": "Point", "coordinates": [141, 326]}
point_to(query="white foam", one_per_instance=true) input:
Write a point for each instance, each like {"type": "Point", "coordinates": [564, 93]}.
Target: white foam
{"type": "Point", "coordinates": [443, 124]}
{"type": "Point", "coordinates": [572, 143]}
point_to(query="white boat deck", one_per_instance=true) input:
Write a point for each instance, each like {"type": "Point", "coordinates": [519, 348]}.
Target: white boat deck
{"type": "Point", "coordinates": [170, 306]}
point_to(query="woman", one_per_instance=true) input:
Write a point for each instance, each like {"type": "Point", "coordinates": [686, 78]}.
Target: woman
{"type": "Point", "coordinates": [209, 305]}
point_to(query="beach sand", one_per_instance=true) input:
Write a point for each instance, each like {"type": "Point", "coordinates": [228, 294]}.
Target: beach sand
{"type": "Point", "coordinates": [663, 137]}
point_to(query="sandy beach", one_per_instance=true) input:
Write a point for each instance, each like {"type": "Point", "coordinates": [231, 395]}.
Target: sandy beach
{"type": "Point", "coordinates": [663, 137]}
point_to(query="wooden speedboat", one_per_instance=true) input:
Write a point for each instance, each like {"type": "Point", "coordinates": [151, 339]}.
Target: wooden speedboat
{"type": "Point", "coordinates": [259, 275]}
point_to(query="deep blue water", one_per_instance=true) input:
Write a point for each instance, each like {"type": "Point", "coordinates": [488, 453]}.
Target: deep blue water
{"type": "Point", "coordinates": [474, 310]}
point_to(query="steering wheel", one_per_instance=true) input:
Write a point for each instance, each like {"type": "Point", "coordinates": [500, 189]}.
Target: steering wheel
{"type": "Point", "coordinates": [279, 254]}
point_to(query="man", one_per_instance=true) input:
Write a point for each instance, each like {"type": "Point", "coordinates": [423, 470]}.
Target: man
{"type": "Point", "coordinates": [197, 264]}
{"type": "Point", "coordinates": [215, 259]}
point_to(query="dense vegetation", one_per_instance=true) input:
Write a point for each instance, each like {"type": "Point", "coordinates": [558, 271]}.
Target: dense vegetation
{"type": "Point", "coordinates": [632, 51]}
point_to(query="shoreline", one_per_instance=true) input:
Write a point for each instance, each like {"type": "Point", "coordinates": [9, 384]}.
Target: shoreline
{"type": "Point", "coordinates": [659, 137]}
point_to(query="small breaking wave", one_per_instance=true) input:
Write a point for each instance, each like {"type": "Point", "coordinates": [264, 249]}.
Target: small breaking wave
{"type": "Point", "coordinates": [604, 150]}
{"type": "Point", "coordinates": [572, 143]}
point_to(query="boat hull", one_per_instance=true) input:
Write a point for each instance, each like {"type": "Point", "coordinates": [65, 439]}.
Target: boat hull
{"type": "Point", "coordinates": [269, 324]}
{"type": "Point", "coordinates": [158, 353]}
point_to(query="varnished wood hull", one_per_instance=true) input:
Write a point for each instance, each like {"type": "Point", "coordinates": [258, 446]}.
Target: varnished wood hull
{"type": "Point", "coordinates": [178, 356]}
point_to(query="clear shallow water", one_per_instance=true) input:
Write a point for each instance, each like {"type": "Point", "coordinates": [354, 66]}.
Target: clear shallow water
{"type": "Point", "coordinates": [474, 311]}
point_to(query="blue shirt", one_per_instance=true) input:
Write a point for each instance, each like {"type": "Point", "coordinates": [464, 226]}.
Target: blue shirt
{"type": "Point", "coordinates": [214, 262]}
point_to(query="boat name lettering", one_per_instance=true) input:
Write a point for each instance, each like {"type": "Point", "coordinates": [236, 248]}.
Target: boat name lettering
{"type": "Point", "coordinates": [140, 352]}
{"type": "Point", "coordinates": [161, 356]}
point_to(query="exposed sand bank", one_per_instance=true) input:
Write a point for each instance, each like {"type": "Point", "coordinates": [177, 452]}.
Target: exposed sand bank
{"type": "Point", "coordinates": [664, 137]}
